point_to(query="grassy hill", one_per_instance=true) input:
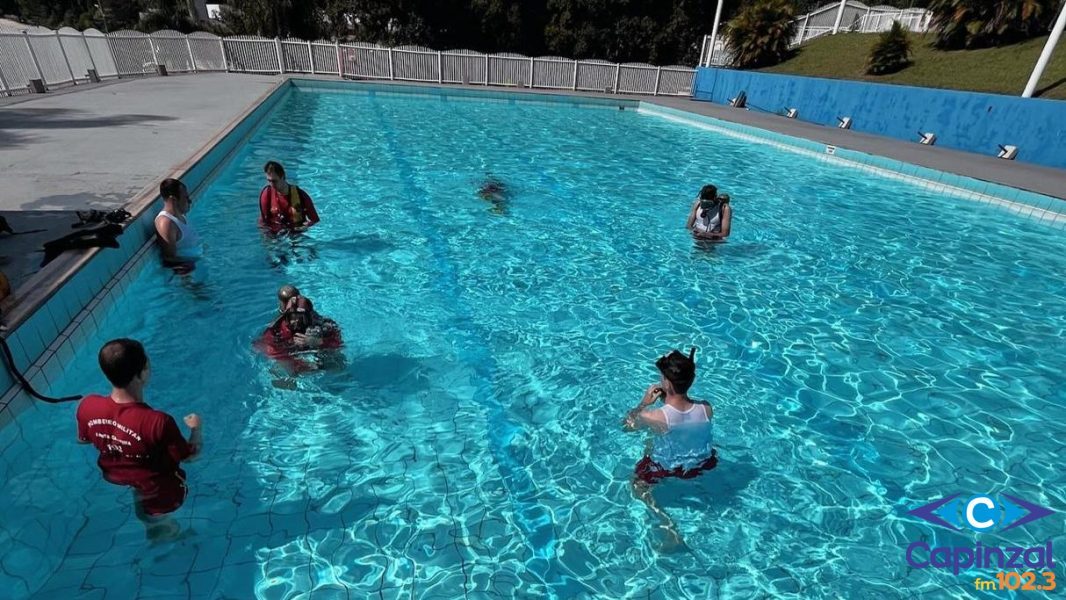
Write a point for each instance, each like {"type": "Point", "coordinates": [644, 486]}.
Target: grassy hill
{"type": "Point", "coordinates": [998, 70]}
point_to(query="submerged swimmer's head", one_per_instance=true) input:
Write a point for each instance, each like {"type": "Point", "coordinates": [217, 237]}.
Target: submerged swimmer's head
{"type": "Point", "coordinates": [287, 293]}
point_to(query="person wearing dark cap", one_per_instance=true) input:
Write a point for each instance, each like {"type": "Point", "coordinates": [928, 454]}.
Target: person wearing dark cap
{"type": "Point", "coordinates": [684, 445]}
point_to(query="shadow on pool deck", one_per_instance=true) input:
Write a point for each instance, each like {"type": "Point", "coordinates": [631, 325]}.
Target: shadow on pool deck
{"type": "Point", "coordinates": [20, 255]}
{"type": "Point", "coordinates": [16, 124]}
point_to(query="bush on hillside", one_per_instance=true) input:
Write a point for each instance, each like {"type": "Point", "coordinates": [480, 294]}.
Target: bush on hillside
{"type": "Point", "coordinates": [983, 23]}
{"type": "Point", "coordinates": [891, 53]}
{"type": "Point", "coordinates": [761, 33]}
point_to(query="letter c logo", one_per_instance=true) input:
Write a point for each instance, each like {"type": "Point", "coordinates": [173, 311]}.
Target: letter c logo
{"type": "Point", "coordinates": [980, 513]}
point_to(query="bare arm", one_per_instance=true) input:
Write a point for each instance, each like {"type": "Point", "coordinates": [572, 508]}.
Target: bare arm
{"type": "Point", "coordinates": [692, 215]}
{"type": "Point", "coordinates": [727, 220]}
{"type": "Point", "coordinates": [196, 442]}
{"type": "Point", "coordinates": [638, 417]}
{"type": "Point", "coordinates": [167, 234]}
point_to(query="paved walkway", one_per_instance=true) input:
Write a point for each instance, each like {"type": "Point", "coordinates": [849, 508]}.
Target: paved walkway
{"type": "Point", "coordinates": [100, 146]}
{"type": "Point", "coordinates": [97, 146]}
{"type": "Point", "coordinates": [1035, 178]}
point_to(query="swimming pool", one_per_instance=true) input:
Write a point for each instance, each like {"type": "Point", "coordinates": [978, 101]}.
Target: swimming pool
{"type": "Point", "coordinates": [869, 346]}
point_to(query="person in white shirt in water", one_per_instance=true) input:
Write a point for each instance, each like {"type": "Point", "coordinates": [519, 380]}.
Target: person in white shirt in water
{"type": "Point", "coordinates": [711, 217]}
{"type": "Point", "coordinates": [180, 243]}
{"type": "Point", "coordinates": [683, 444]}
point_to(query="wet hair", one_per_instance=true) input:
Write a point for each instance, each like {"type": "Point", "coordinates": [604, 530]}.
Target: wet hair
{"type": "Point", "coordinates": [678, 369]}
{"type": "Point", "coordinates": [273, 166]}
{"type": "Point", "coordinates": [708, 192]}
{"type": "Point", "coordinates": [724, 198]}
{"type": "Point", "coordinates": [122, 360]}
{"type": "Point", "coordinates": [171, 188]}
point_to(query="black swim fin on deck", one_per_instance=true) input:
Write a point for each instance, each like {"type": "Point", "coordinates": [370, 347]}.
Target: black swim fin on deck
{"type": "Point", "coordinates": [102, 236]}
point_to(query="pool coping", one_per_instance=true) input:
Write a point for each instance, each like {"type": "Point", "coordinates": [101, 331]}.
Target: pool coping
{"type": "Point", "coordinates": [64, 307]}
{"type": "Point", "coordinates": [43, 318]}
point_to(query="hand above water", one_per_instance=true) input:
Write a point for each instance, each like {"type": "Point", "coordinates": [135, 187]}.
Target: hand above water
{"type": "Point", "coordinates": [193, 421]}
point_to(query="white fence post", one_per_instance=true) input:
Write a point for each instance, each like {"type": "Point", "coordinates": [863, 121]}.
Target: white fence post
{"type": "Point", "coordinates": [311, 57]}
{"type": "Point", "coordinates": [340, 62]}
{"type": "Point", "coordinates": [658, 79]}
{"type": "Point", "coordinates": [803, 30]}
{"type": "Point", "coordinates": [486, 69]}
{"type": "Point", "coordinates": [155, 57]}
{"type": "Point", "coordinates": [281, 59]}
{"type": "Point", "coordinates": [36, 64]}
{"type": "Point", "coordinates": [222, 46]}
{"type": "Point", "coordinates": [440, 71]}
{"type": "Point", "coordinates": [573, 86]}
{"type": "Point", "coordinates": [532, 67]}
{"type": "Point", "coordinates": [617, 73]}
{"type": "Point", "coordinates": [840, 15]}
{"type": "Point", "coordinates": [192, 59]}
{"type": "Point", "coordinates": [90, 54]}
{"type": "Point", "coordinates": [63, 51]}
{"type": "Point", "coordinates": [3, 83]}
{"type": "Point", "coordinates": [391, 78]}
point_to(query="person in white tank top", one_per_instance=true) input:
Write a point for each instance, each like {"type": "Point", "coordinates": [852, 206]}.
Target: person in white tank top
{"type": "Point", "coordinates": [711, 217]}
{"type": "Point", "coordinates": [180, 243]}
{"type": "Point", "coordinates": [683, 446]}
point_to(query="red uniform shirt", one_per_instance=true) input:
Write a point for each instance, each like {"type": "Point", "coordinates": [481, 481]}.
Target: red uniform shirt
{"type": "Point", "coordinates": [275, 210]}
{"type": "Point", "coordinates": [139, 446]}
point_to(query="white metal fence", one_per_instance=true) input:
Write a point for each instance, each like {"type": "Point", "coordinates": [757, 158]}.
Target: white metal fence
{"type": "Point", "coordinates": [67, 56]}
{"type": "Point", "coordinates": [856, 17]}
{"type": "Point", "coordinates": [838, 17]}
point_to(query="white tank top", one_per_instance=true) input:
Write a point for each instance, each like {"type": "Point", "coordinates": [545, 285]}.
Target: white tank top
{"type": "Point", "coordinates": [189, 244]}
{"type": "Point", "coordinates": [707, 222]}
{"type": "Point", "coordinates": [688, 440]}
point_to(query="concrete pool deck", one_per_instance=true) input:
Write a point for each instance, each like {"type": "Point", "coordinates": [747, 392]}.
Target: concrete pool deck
{"type": "Point", "coordinates": [98, 146]}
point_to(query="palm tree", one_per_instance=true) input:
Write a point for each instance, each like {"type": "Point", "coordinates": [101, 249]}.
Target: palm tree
{"type": "Point", "coordinates": [760, 35]}
{"type": "Point", "coordinates": [983, 23]}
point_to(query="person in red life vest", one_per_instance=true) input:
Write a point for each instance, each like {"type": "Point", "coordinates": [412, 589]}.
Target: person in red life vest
{"type": "Point", "coordinates": [683, 444]}
{"type": "Point", "coordinates": [282, 205]}
{"type": "Point", "coordinates": [139, 447]}
{"type": "Point", "coordinates": [296, 336]}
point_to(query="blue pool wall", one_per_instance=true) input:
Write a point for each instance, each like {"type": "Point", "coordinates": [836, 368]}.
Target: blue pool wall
{"type": "Point", "coordinates": [967, 121]}
{"type": "Point", "coordinates": [45, 342]}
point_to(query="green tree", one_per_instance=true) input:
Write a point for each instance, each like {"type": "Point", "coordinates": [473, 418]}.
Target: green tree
{"type": "Point", "coordinates": [270, 18]}
{"type": "Point", "coordinates": [983, 23]}
{"type": "Point", "coordinates": [761, 33]}
{"type": "Point", "coordinates": [891, 53]}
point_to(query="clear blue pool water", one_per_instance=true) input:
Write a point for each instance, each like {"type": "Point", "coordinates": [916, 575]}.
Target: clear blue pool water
{"type": "Point", "coordinates": [868, 347]}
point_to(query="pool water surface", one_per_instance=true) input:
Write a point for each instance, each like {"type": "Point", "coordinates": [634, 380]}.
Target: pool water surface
{"type": "Point", "coordinates": [868, 347]}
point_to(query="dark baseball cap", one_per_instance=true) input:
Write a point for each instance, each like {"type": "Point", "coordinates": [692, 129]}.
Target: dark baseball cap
{"type": "Point", "coordinates": [677, 367]}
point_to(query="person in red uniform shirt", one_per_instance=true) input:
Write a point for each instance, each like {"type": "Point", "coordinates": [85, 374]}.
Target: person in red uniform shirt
{"type": "Point", "coordinates": [140, 447]}
{"type": "Point", "coordinates": [282, 205]}
{"type": "Point", "coordinates": [298, 332]}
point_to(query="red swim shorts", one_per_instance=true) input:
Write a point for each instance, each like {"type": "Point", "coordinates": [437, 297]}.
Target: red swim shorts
{"type": "Point", "coordinates": [162, 495]}
{"type": "Point", "coordinates": [650, 471]}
